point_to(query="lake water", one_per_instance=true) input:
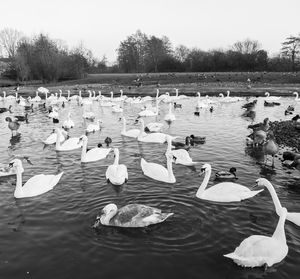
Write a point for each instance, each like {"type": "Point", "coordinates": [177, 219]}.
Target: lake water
{"type": "Point", "coordinates": [50, 236]}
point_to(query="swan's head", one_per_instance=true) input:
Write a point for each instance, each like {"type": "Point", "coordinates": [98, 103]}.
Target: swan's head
{"type": "Point", "coordinates": [221, 95]}
{"type": "Point", "coordinates": [83, 138]}
{"type": "Point", "coordinates": [116, 151]}
{"type": "Point", "coordinates": [267, 94]}
{"type": "Point", "coordinates": [107, 212]}
{"type": "Point", "coordinates": [205, 168]}
{"type": "Point", "coordinates": [262, 182]}
{"type": "Point", "coordinates": [198, 94]}
{"type": "Point", "coordinates": [167, 93]}
{"type": "Point", "coordinates": [16, 164]}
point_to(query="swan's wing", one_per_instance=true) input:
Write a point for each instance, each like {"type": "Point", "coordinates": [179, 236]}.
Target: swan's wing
{"type": "Point", "coordinates": [98, 153]}
{"type": "Point", "coordinates": [116, 172]}
{"type": "Point", "coordinates": [153, 170]}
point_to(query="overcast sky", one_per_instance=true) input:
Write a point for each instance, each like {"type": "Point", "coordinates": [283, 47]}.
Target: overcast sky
{"type": "Point", "coordinates": [205, 24]}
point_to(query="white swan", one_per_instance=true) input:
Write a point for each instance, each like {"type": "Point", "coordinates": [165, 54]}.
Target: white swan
{"type": "Point", "coordinates": [130, 216]}
{"type": "Point", "coordinates": [297, 96]}
{"type": "Point", "coordinates": [259, 250]}
{"type": "Point", "coordinates": [132, 133]}
{"type": "Point", "coordinates": [36, 185]}
{"type": "Point", "coordinates": [182, 157]}
{"type": "Point", "coordinates": [180, 96]}
{"type": "Point", "coordinates": [61, 98]}
{"type": "Point", "coordinates": [54, 113]}
{"type": "Point", "coordinates": [201, 104]}
{"type": "Point", "coordinates": [149, 112]}
{"type": "Point", "coordinates": [94, 154]}
{"type": "Point", "coordinates": [152, 137]}
{"type": "Point", "coordinates": [223, 192]}
{"type": "Point", "coordinates": [153, 127]}
{"type": "Point", "coordinates": [272, 98]}
{"type": "Point", "coordinates": [51, 139]}
{"type": "Point", "coordinates": [157, 171]}
{"type": "Point", "coordinates": [170, 116]}
{"type": "Point", "coordinates": [91, 128]}
{"type": "Point", "coordinates": [69, 123]}
{"type": "Point", "coordinates": [88, 115]}
{"type": "Point", "coordinates": [37, 98]}
{"type": "Point", "coordinates": [293, 217]}
{"type": "Point", "coordinates": [233, 99]}
{"type": "Point", "coordinates": [117, 108]}
{"type": "Point", "coordinates": [116, 174]}
{"type": "Point", "coordinates": [67, 145]}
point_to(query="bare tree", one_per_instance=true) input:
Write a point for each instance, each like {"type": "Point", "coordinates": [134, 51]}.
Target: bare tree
{"type": "Point", "coordinates": [9, 39]}
{"type": "Point", "coordinates": [246, 47]}
{"type": "Point", "coordinates": [181, 53]}
{"type": "Point", "coordinates": [290, 48]}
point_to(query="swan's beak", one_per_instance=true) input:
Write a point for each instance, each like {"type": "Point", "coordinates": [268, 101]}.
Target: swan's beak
{"type": "Point", "coordinates": [202, 171]}
{"type": "Point", "coordinates": [28, 160]}
{"type": "Point", "coordinates": [97, 222]}
{"type": "Point", "coordinates": [10, 165]}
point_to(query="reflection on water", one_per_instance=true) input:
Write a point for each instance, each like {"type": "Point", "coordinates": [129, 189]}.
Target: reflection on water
{"type": "Point", "coordinates": [54, 230]}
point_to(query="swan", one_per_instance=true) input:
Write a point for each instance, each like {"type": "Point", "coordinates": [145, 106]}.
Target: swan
{"type": "Point", "coordinates": [61, 98]}
{"type": "Point", "coordinates": [233, 99]}
{"type": "Point", "coordinates": [117, 108]}
{"type": "Point", "coordinates": [223, 192]}
{"type": "Point", "coordinates": [201, 104]}
{"type": "Point", "coordinates": [69, 122]}
{"type": "Point", "coordinates": [88, 115]}
{"type": "Point", "coordinates": [54, 113]}
{"type": "Point", "coordinates": [36, 185]}
{"type": "Point", "coordinates": [130, 216]}
{"type": "Point", "coordinates": [226, 99]}
{"type": "Point", "coordinates": [170, 116]}
{"type": "Point", "coordinates": [73, 97]}
{"type": "Point", "coordinates": [93, 127]}
{"type": "Point", "coordinates": [133, 133]}
{"type": "Point", "coordinates": [272, 98]}
{"type": "Point", "coordinates": [51, 139]}
{"type": "Point", "coordinates": [149, 112]}
{"type": "Point", "coordinates": [259, 250]}
{"type": "Point", "coordinates": [94, 154]}
{"type": "Point", "coordinates": [153, 127]}
{"type": "Point", "coordinates": [297, 96]}
{"type": "Point", "coordinates": [4, 96]}
{"type": "Point", "coordinates": [87, 101]}
{"type": "Point", "coordinates": [67, 145]}
{"type": "Point", "coordinates": [116, 174]}
{"type": "Point", "coordinates": [180, 96]}
{"type": "Point", "coordinates": [293, 217]}
{"type": "Point", "coordinates": [37, 98]}
{"type": "Point", "coordinates": [157, 171]}
{"type": "Point", "coordinates": [152, 137]}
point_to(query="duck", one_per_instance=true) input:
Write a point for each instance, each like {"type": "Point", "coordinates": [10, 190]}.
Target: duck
{"type": "Point", "coordinates": [94, 154]}
{"type": "Point", "coordinates": [153, 127]}
{"type": "Point", "coordinates": [92, 127]}
{"type": "Point", "coordinates": [22, 117]}
{"type": "Point", "coordinates": [231, 174]}
{"type": "Point", "coordinates": [69, 123]}
{"type": "Point", "coordinates": [297, 96]}
{"type": "Point", "coordinates": [181, 145]}
{"type": "Point", "coordinates": [197, 139]}
{"type": "Point", "coordinates": [152, 137]}
{"type": "Point", "coordinates": [293, 217]}
{"type": "Point", "coordinates": [116, 174]}
{"type": "Point", "coordinates": [130, 216]}
{"type": "Point", "coordinates": [132, 133]}
{"type": "Point", "coordinates": [13, 125]}
{"type": "Point", "coordinates": [6, 109]}
{"type": "Point", "coordinates": [271, 99]}
{"type": "Point", "coordinates": [36, 185]}
{"type": "Point", "coordinates": [157, 171]}
{"type": "Point", "coordinates": [51, 139]}
{"type": "Point", "coordinates": [67, 145]}
{"type": "Point", "coordinates": [108, 141]}
{"type": "Point", "coordinates": [177, 105]}
{"type": "Point", "coordinates": [224, 191]}
{"type": "Point", "coordinates": [261, 250]}
{"type": "Point", "coordinates": [270, 147]}
{"type": "Point", "coordinates": [170, 116]}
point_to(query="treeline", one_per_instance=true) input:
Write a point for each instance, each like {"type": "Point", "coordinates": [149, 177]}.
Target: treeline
{"type": "Point", "coordinates": [42, 58]}
{"type": "Point", "coordinates": [142, 53]}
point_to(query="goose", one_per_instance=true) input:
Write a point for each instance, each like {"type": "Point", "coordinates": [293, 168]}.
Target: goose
{"type": "Point", "coordinates": [297, 96]}
{"type": "Point", "coordinates": [231, 174]}
{"type": "Point", "coordinates": [67, 145]}
{"type": "Point", "coordinates": [170, 116]}
{"type": "Point", "coordinates": [149, 112]}
{"type": "Point", "coordinates": [157, 171]}
{"type": "Point", "coordinates": [293, 217]}
{"type": "Point", "coordinates": [223, 192]}
{"type": "Point", "coordinates": [94, 154]}
{"type": "Point", "coordinates": [270, 147]}
{"type": "Point", "coordinates": [36, 185]}
{"type": "Point", "coordinates": [69, 123]}
{"type": "Point", "coordinates": [272, 98]}
{"type": "Point", "coordinates": [13, 125]}
{"type": "Point", "coordinates": [260, 250]}
{"type": "Point", "coordinates": [37, 98]}
{"type": "Point", "coordinates": [91, 128]}
{"type": "Point", "coordinates": [130, 216]}
{"type": "Point", "coordinates": [116, 174]}
{"type": "Point", "coordinates": [153, 127]}
{"type": "Point", "coordinates": [152, 137]}
{"type": "Point", "coordinates": [133, 133]}
{"type": "Point", "coordinates": [51, 139]}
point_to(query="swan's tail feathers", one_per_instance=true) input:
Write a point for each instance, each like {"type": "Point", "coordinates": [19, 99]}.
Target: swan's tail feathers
{"type": "Point", "coordinates": [163, 216]}
{"type": "Point", "coordinates": [56, 179]}
{"type": "Point", "coordinates": [252, 194]}
{"type": "Point", "coordinates": [143, 163]}
{"type": "Point", "coordinates": [294, 217]}
{"type": "Point", "coordinates": [232, 256]}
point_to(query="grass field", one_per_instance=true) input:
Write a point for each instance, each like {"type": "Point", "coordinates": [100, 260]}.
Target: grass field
{"type": "Point", "coordinates": [187, 83]}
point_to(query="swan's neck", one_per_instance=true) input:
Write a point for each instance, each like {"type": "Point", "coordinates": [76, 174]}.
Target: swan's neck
{"type": "Point", "coordinates": [57, 144]}
{"type": "Point", "coordinates": [157, 92]}
{"type": "Point", "coordinates": [105, 219]}
{"type": "Point", "coordinates": [170, 169]}
{"type": "Point", "coordinates": [203, 184]}
{"type": "Point", "coordinates": [116, 162]}
{"type": "Point", "coordinates": [80, 93]}
{"type": "Point", "coordinates": [19, 181]}
{"type": "Point", "coordinates": [176, 92]}
{"type": "Point", "coordinates": [267, 94]}
{"type": "Point", "coordinates": [274, 196]}
{"type": "Point", "coordinates": [228, 93]}
{"type": "Point", "coordinates": [68, 95]}
{"type": "Point", "coordinates": [111, 95]}
{"type": "Point", "coordinates": [142, 128]}
{"type": "Point", "coordinates": [124, 125]}
{"type": "Point", "coordinates": [83, 151]}
{"type": "Point", "coordinates": [46, 95]}
{"type": "Point", "coordinates": [297, 96]}
{"type": "Point", "coordinates": [279, 233]}
{"type": "Point", "coordinates": [199, 95]}
{"type": "Point", "coordinates": [221, 95]}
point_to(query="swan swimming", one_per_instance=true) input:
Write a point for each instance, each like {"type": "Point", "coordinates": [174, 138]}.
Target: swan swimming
{"type": "Point", "coordinates": [130, 216]}
{"type": "Point", "coordinates": [94, 154]}
{"type": "Point", "coordinates": [67, 145]}
{"type": "Point", "coordinates": [132, 133]}
{"type": "Point", "coordinates": [116, 174]}
{"type": "Point", "coordinates": [223, 192]}
{"type": "Point", "coordinates": [157, 171]}
{"type": "Point", "coordinates": [69, 123]}
{"type": "Point", "coordinates": [259, 250]}
{"type": "Point", "coordinates": [92, 127]}
{"type": "Point", "coordinates": [53, 136]}
{"type": "Point", "coordinates": [170, 116]}
{"type": "Point", "coordinates": [272, 98]}
{"type": "Point", "coordinates": [36, 185]}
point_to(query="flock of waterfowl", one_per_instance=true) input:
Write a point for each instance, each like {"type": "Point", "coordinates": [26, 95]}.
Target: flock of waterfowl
{"type": "Point", "coordinates": [256, 250]}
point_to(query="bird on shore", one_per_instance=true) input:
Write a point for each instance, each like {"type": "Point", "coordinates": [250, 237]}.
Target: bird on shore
{"type": "Point", "coordinates": [270, 147]}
